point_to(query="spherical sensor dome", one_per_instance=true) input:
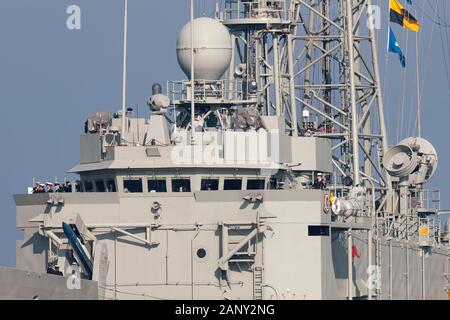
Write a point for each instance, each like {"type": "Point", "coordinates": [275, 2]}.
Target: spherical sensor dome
{"type": "Point", "coordinates": [212, 45]}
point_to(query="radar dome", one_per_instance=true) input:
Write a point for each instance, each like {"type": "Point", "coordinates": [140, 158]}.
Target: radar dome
{"type": "Point", "coordinates": [212, 46]}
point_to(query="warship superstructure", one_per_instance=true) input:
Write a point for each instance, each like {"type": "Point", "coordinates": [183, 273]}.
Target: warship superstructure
{"type": "Point", "coordinates": [265, 174]}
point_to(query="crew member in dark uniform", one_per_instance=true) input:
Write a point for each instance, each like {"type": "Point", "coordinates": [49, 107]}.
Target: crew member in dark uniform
{"type": "Point", "coordinates": [67, 187]}
{"type": "Point", "coordinates": [58, 187]}
{"type": "Point", "coordinates": [36, 187]}
{"type": "Point", "coordinates": [319, 182]}
{"type": "Point", "coordinates": [49, 187]}
{"type": "Point", "coordinates": [40, 188]}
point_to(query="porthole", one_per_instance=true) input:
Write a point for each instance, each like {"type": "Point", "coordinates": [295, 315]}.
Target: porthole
{"type": "Point", "coordinates": [201, 254]}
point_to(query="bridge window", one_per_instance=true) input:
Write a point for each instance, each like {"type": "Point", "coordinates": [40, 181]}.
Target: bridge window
{"type": "Point", "coordinates": [181, 185]}
{"type": "Point", "coordinates": [255, 184]}
{"type": "Point", "coordinates": [210, 184]}
{"type": "Point", "coordinates": [111, 185]}
{"type": "Point", "coordinates": [157, 185]}
{"type": "Point", "coordinates": [132, 185]}
{"type": "Point", "coordinates": [88, 186]}
{"type": "Point", "coordinates": [100, 186]}
{"type": "Point", "coordinates": [232, 184]}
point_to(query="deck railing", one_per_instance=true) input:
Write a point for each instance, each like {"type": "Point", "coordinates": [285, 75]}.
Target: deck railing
{"type": "Point", "coordinates": [207, 91]}
{"type": "Point", "coordinates": [257, 9]}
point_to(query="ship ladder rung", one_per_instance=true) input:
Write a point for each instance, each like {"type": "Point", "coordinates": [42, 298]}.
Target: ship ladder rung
{"type": "Point", "coordinates": [245, 253]}
{"type": "Point", "coordinates": [241, 260]}
{"type": "Point", "coordinates": [257, 283]}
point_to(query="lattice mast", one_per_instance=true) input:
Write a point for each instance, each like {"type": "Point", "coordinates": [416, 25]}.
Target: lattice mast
{"type": "Point", "coordinates": [315, 64]}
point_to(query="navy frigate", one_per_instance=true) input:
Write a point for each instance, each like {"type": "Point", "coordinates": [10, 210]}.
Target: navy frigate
{"type": "Point", "coordinates": [265, 174]}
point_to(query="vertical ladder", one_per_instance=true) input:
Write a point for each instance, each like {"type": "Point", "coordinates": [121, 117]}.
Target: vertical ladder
{"type": "Point", "coordinates": [378, 255]}
{"type": "Point", "coordinates": [257, 283]}
{"type": "Point", "coordinates": [447, 277]}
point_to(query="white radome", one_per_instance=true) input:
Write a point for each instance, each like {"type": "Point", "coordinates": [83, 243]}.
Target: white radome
{"type": "Point", "coordinates": [213, 49]}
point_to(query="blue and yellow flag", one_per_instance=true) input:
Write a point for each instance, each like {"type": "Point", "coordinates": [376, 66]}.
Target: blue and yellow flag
{"type": "Point", "coordinates": [394, 47]}
{"type": "Point", "coordinates": [398, 14]}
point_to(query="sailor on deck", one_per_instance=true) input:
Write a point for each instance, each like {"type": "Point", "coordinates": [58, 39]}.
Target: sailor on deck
{"type": "Point", "coordinates": [58, 187]}
{"type": "Point", "coordinates": [39, 188]}
{"type": "Point", "coordinates": [319, 182]}
{"type": "Point", "coordinates": [49, 187]}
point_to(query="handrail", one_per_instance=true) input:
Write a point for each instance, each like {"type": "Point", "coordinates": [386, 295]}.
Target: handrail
{"type": "Point", "coordinates": [207, 90]}
{"type": "Point", "coordinates": [238, 9]}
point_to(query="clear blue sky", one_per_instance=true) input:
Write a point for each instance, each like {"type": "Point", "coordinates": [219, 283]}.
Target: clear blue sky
{"type": "Point", "coordinates": [52, 78]}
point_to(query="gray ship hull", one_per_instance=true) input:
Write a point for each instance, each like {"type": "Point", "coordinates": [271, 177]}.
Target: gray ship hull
{"type": "Point", "coordinates": [283, 260]}
{"type": "Point", "coordinates": [26, 285]}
